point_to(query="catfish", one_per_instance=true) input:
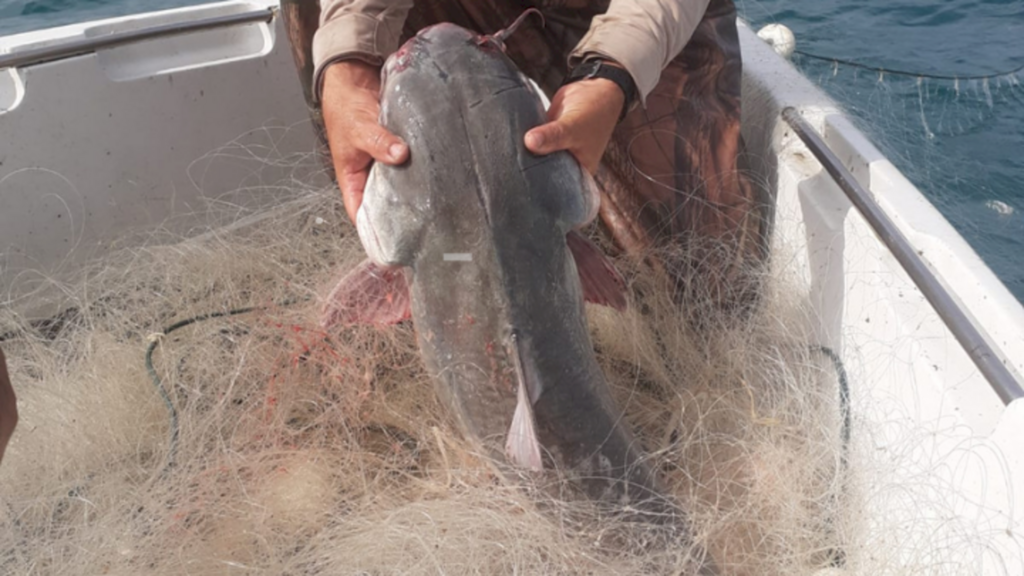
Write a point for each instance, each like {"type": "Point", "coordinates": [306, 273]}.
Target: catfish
{"type": "Point", "coordinates": [477, 240]}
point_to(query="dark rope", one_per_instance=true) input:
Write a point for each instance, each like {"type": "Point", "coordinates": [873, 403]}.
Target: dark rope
{"type": "Point", "coordinates": [159, 383]}
{"type": "Point", "coordinates": [895, 72]}
{"type": "Point", "coordinates": [838, 554]}
{"type": "Point", "coordinates": [844, 392]}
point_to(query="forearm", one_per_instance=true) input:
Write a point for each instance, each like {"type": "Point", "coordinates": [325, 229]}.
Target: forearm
{"type": "Point", "coordinates": [642, 35]}
{"type": "Point", "coordinates": [366, 29]}
{"type": "Point", "coordinates": [8, 406]}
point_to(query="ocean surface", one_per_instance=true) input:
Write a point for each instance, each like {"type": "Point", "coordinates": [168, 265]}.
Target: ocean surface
{"type": "Point", "coordinates": [945, 111]}
{"type": "Point", "coordinates": [960, 140]}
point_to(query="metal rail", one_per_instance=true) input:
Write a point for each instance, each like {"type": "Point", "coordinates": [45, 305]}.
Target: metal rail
{"type": "Point", "coordinates": [999, 375]}
{"type": "Point", "coordinates": [80, 46]}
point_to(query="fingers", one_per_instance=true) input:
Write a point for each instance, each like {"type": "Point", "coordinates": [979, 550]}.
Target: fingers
{"type": "Point", "coordinates": [353, 186]}
{"type": "Point", "coordinates": [8, 407]}
{"type": "Point", "coordinates": [582, 117]}
{"type": "Point", "coordinates": [550, 137]}
{"type": "Point", "coordinates": [569, 133]}
{"type": "Point", "coordinates": [351, 108]}
{"type": "Point", "coordinates": [375, 140]}
{"type": "Point", "coordinates": [352, 162]}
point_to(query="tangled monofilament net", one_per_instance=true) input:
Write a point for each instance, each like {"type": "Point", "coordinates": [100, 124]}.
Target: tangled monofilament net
{"type": "Point", "coordinates": [284, 449]}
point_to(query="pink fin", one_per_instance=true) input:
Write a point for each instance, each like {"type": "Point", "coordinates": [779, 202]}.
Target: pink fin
{"type": "Point", "coordinates": [522, 447]}
{"type": "Point", "coordinates": [602, 283]}
{"type": "Point", "coordinates": [369, 294]}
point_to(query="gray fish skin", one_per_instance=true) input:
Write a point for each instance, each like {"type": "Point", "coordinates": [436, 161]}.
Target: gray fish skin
{"type": "Point", "coordinates": [471, 188]}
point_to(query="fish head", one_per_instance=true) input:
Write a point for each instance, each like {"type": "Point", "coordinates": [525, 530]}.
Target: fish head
{"type": "Point", "coordinates": [447, 90]}
{"type": "Point", "coordinates": [463, 108]}
{"type": "Point", "coordinates": [400, 202]}
{"type": "Point", "coordinates": [426, 45]}
{"type": "Point", "coordinates": [446, 35]}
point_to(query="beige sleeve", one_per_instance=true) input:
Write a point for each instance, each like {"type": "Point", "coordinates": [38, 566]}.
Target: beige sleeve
{"type": "Point", "coordinates": [364, 29]}
{"type": "Point", "coordinates": [642, 35]}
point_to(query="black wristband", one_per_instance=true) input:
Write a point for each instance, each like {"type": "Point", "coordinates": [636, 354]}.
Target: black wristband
{"type": "Point", "coordinates": [597, 68]}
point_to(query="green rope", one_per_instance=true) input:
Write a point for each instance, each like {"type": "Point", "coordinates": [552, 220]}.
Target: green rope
{"type": "Point", "coordinates": [839, 555]}
{"type": "Point", "coordinates": [158, 383]}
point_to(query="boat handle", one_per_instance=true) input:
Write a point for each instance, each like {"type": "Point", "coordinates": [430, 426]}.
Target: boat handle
{"type": "Point", "coordinates": [82, 46]}
{"type": "Point", "coordinates": [970, 336]}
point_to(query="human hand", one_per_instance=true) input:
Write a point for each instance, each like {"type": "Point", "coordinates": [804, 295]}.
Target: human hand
{"type": "Point", "coordinates": [351, 108]}
{"type": "Point", "coordinates": [8, 407]}
{"type": "Point", "coordinates": [581, 119]}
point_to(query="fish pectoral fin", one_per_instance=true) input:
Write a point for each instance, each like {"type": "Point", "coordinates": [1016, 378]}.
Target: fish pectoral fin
{"type": "Point", "coordinates": [369, 294]}
{"type": "Point", "coordinates": [602, 283]}
{"type": "Point", "coordinates": [522, 447]}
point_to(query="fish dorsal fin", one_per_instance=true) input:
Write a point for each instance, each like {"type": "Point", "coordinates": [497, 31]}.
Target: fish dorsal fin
{"type": "Point", "coordinates": [602, 283]}
{"type": "Point", "coordinates": [369, 294]}
{"type": "Point", "coordinates": [522, 447]}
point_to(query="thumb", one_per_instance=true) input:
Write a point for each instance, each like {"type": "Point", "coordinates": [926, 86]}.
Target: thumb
{"type": "Point", "coordinates": [381, 144]}
{"type": "Point", "coordinates": [548, 138]}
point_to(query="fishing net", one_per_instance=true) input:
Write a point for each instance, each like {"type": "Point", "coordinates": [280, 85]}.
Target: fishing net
{"type": "Point", "coordinates": [186, 414]}
{"type": "Point", "coordinates": [946, 116]}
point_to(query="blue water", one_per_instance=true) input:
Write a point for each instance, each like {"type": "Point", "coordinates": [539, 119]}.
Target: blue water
{"type": "Point", "coordinates": [24, 15]}
{"type": "Point", "coordinates": [961, 143]}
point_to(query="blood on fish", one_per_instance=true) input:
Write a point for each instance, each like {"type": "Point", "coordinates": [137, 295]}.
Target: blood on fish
{"type": "Point", "coordinates": [487, 44]}
{"type": "Point", "coordinates": [400, 60]}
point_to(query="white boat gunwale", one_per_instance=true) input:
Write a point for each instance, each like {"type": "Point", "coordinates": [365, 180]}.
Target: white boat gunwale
{"type": "Point", "coordinates": [72, 47]}
{"type": "Point", "coordinates": [977, 344]}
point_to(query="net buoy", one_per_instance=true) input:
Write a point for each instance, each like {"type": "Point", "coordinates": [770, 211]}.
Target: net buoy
{"type": "Point", "coordinates": [780, 38]}
{"type": "Point", "coordinates": [1000, 207]}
